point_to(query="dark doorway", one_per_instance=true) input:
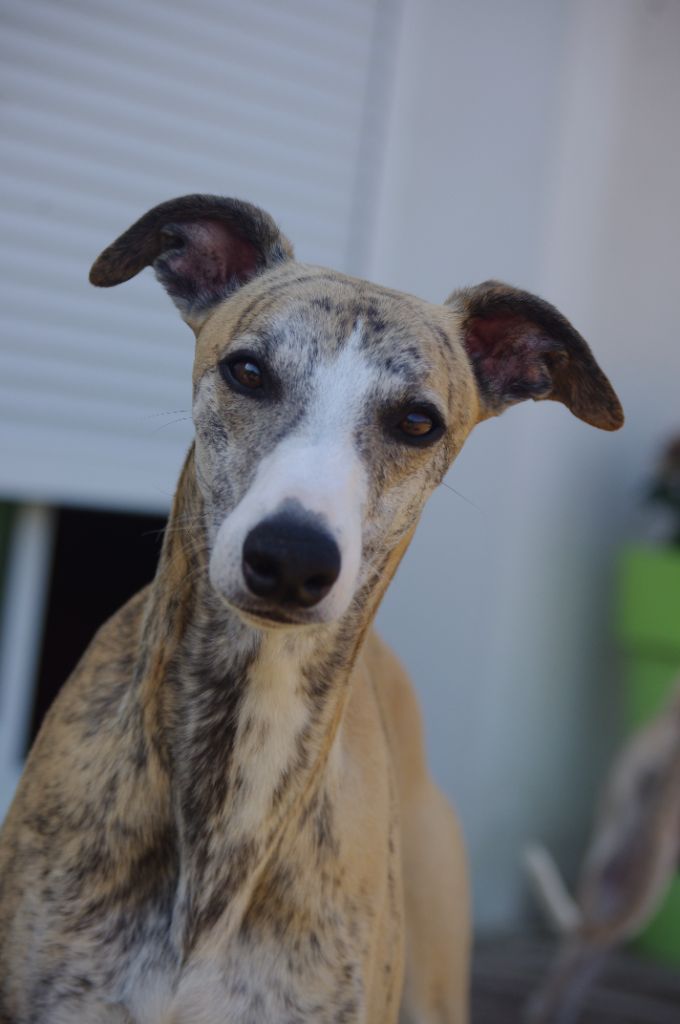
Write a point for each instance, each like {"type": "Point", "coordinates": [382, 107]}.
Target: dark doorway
{"type": "Point", "coordinates": [100, 560]}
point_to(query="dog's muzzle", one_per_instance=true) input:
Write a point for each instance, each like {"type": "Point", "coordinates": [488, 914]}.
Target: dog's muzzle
{"type": "Point", "coordinates": [290, 562]}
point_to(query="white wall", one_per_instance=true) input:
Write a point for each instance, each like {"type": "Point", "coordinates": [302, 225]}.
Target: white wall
{"type": "Point", "coordinates": [536, 142]}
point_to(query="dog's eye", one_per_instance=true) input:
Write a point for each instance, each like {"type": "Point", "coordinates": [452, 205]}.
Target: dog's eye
{"type": "Point", "coordinates": [419, 425]}
{"type": "Point", "coordinates": [243, 372]}
{"type": "Point", "coordinates": [247, 372]}
{"type": "Point", "coordinates": [416, 424]}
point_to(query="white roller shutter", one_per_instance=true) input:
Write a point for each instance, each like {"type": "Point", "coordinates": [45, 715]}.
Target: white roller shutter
{"type": "Point", "coordinates": [110, 107]}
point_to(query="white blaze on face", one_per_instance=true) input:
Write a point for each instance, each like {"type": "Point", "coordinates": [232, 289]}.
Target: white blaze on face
{"type": "Point", "coordinates": [316, 466]}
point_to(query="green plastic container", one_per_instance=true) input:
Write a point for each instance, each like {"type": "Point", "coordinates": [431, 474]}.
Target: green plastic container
{"type": "Point", "coordinates": [649, 629]}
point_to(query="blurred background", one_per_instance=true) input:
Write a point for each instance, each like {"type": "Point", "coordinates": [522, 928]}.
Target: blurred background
{"type": "Point", "coordinates": [425, 144]}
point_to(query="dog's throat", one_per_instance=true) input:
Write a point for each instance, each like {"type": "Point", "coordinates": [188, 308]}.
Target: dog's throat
{"type": "Point", "coordinates": [252, 753]}
{"type": "Point", "coordinates": [249, 720]}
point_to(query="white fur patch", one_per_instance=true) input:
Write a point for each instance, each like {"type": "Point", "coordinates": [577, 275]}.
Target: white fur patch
{"type": "Point", "coordinates": [316, 466]}
{"type": "Point", "coordinates": [151, 998]}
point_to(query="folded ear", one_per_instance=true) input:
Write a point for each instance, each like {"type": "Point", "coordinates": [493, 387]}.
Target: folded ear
{"type": "Point", "coordinates": [201, 247]}
{"type": "Point", "coordinates": [522, 347]}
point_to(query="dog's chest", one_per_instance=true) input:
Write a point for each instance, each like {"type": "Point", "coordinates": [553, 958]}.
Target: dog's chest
{"type": "Point", "coordinates": [266, 984]}
{"type": "Point", "coordinates": [235, 933]}
{"type": "Point", "coordinates": [302, 950]}
{"type": "Point", "coordinates": [297, 957]}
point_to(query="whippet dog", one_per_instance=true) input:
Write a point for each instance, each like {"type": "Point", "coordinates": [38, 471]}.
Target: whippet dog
{"type": "Point", "coordinates": [226, 816]}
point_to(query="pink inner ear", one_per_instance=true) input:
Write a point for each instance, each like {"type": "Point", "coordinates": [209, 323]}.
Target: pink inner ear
{"type": "Point", "coordinates": [490, 335]}
{"type": "Point", "coordinates": [506, 352]}
{"type": "Point", "coordinates": [214, 255]}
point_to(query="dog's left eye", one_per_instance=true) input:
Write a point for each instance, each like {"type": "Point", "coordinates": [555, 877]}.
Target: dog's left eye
{"type": "Point", "coordinates": [243, 372]}
{"type": "Point", "coordinates": [416, 424]}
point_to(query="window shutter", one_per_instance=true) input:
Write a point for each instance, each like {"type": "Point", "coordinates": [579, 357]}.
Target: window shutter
{"type": "Point", "coordinates": [108, 109]}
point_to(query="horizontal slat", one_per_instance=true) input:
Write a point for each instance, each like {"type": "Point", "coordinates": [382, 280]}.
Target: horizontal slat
{"type": "Point", "coordinates": [347, 20]}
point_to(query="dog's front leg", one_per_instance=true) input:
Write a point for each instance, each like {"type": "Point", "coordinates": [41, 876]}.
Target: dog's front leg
{"type": "Point", "coordinates": [437, 912]}
{"type": "Point", "coordinates": [434, 862]}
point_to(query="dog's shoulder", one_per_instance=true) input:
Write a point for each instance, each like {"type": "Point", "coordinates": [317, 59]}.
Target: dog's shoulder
{"type": "Point", "coordinates": [81, 845]}
{"type": "Point", "coordinates": [80, 731]}
{"type": "Point", "coordinates": [89, 700]}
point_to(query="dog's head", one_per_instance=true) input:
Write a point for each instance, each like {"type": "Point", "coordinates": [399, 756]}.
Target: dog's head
{"type": "Point", "coordinates": [327, 408]}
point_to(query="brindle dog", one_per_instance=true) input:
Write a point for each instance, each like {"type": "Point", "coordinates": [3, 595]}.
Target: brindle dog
{"type": "Point", "coordinates": [227, 816]}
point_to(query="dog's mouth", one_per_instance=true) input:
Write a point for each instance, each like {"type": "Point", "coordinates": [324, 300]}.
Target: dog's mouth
{"type": "Point", "coordinates": [271, 617]}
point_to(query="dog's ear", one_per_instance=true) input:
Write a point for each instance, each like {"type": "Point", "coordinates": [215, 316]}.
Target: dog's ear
{"type": "Point", "coordinates": [201, 248]}
{"type": "Point", "coordinates": [522, 347]}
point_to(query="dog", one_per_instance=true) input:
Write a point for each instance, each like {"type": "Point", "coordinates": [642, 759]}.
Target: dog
{"type": "Point", "coordinates": [227, 815]}
{"type": "Point", "coordinates": [632, 858]}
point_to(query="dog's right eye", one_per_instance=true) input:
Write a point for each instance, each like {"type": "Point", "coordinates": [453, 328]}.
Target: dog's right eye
{"type": "Point", "coordinates": [243, 373]}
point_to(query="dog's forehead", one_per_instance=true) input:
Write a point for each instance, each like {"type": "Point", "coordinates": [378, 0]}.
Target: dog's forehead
{"type": "Point", "coordinates": [312, 313]}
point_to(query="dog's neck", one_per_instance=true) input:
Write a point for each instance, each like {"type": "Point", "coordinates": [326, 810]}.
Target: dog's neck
{"type": "Point", "coordinates": [249, 718]}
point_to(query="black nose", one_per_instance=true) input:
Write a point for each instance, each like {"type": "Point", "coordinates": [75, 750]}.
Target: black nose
{"type": "Point", "coordinates": [290, 560]}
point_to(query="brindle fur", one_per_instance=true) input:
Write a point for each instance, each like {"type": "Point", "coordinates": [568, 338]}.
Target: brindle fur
{"type": "Point", "coordinates": [224, 822]}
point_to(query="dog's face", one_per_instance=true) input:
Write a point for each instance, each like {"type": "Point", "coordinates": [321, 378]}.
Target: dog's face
{"type": "Point", "coordinates": [326, 408]}
{"type": "Point", "coordinates": [325, 415]}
